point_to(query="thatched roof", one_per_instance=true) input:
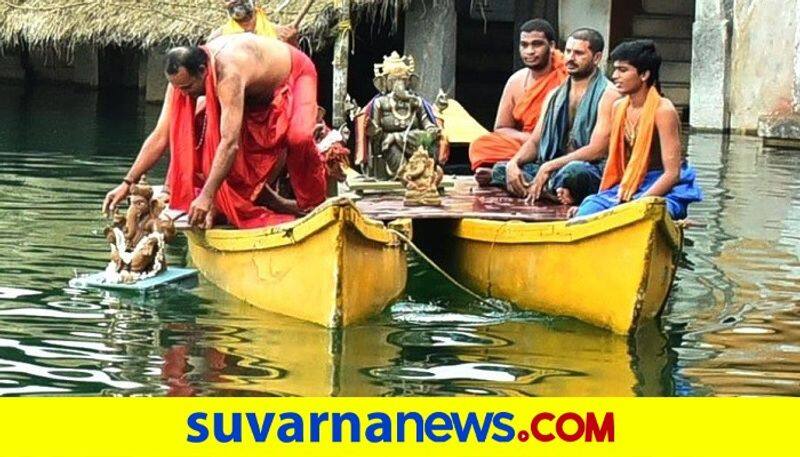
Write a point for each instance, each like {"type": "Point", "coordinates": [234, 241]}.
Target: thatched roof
{"type": "Point", "coordinates": [144, 23]}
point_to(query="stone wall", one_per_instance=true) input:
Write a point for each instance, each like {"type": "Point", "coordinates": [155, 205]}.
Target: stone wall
{"type": "Point", "coordinates": [746, 67]}
{"type": "Point", "coordinates": [763, 53]}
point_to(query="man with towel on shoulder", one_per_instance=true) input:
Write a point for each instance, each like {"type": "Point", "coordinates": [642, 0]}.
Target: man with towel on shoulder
{"type": "Point", "coordinates": [645, 158]}
{"type": "Point", "coordinates": [522, 99]}
{"type": "Point", "coordinates": [245, 16]}
{"type": "Point", "coordinates": [260, 113]}
{"type": "Point", "coordinates": [564, 155]}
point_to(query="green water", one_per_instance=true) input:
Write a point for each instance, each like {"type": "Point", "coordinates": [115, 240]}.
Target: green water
{"type": "Point", "coordinates": [732, 326]}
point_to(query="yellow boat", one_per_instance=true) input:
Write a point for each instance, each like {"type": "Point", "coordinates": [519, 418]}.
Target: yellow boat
{"type": "Point", "coordinates": [613, 269]}
{"type": "Point", "coordinates": [333, 267]}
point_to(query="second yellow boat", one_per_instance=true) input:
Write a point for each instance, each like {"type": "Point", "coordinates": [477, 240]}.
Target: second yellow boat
{"type": "Point", "coordinates": [613, 269]}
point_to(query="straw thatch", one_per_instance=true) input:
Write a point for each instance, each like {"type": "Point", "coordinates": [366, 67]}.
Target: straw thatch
{"type": "Point", "coordinates": [145, 23]}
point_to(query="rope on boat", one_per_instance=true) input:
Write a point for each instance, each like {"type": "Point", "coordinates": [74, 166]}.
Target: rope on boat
{"type": "Point", "coordinates": [419, 252]}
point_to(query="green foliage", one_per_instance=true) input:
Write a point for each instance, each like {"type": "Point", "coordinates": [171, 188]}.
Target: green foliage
{"type": "Point", "coordinates": [428, 142]}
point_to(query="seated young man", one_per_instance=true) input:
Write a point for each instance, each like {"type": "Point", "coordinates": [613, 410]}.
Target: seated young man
{"type": "Point", "coordinates": [645, 156]}
{"type": "Point", "coordinates": [564, 154]}
{"type": "Point", "coordinates": [522, 99]}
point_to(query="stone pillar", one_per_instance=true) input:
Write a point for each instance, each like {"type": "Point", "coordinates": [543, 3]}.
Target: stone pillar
{"type": "Point", "coordinates": [711, 57]}
{"type": "Point", "coordinates": [430, 37]}
{"type": "Point", "coordinates": [86, 65]}
{"type": "Point", "coordinates": [796, 101]}
{"type": "Point", "coordinates": [156, 81]}
{"type": "Point", "coordinates": [783, 129]}
{"type": "Point", "coordinates": [141, 78]}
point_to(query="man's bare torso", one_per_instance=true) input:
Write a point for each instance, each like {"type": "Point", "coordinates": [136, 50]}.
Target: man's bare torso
{"type": "Point", "coordinates": [261, 64]}
{"type": "Point", "coordinates": [576, 93]}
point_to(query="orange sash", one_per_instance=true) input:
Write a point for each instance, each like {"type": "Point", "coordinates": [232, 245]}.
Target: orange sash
{"type": "Point", "coordinates": [630, 175]}
{"type": "Point", "coordinates": [528, 109]}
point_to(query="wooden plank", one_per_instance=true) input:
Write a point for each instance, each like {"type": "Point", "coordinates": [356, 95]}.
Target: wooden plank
{"type": "Point", "coordinates": [465, 200]}
{"type": "Point", "coordinates": [359, 183]}
{"type": "Point", "coordinates": [172, 275]}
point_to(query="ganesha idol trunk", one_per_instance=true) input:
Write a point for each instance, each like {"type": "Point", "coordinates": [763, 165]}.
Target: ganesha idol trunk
{"type": "Point", "coordinates": [334, 267]}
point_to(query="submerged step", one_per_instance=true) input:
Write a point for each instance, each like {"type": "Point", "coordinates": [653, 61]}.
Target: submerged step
{"type": "Point", "coordinates": [676, 72]}
{"type": "Point", "coordinates": [675, 49]}
{"type": "Point", "coordinates": [672, 7]}
{"type": "Point", "coordinates": [654, 26]}
{"type": "Point", "coordinates": [678, 93]}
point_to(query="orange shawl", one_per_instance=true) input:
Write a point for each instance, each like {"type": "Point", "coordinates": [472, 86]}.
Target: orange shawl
{"type": "Point", "coordinates": [630, 175]}
{"type": "Point", "coordinates": [528, 109]}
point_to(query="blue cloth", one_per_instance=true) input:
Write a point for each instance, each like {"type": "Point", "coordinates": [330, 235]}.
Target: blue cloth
{"type": "Point", "coordinates": [678, 199]}
{"type": "Point", "coordinates": [581, 178]}
{"type": "Point", "coordinates": [556, 118]}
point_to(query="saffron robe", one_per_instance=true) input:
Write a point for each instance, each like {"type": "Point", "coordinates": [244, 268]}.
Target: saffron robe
{"type": "Point", "coordinates": [270, 134]}
{"type": "Point", "coordinates": [497, 147]}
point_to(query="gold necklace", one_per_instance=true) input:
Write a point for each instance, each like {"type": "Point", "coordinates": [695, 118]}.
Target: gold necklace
{"type": "Point", "coordinates": [630, 128]}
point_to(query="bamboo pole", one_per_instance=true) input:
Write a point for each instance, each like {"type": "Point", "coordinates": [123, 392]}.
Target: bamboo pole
{"type": "Point", "coordinates": [341, 55]}
{"type": "Point", "coordinates": [302, 14]}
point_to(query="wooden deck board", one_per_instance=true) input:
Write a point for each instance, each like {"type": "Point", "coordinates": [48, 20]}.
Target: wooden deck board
{"type": "Point", "coordinates": [464, 200]}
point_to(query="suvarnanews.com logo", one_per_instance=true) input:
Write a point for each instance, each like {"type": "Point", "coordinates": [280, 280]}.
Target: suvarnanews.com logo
{"type": "Point", "coordinates": [400, 427]}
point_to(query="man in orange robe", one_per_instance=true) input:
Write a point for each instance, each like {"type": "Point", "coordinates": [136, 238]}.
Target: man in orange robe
{"type": "Point", "coordinates": [522, 99]}
{"type": "Point", "coordinates": [226, 155]}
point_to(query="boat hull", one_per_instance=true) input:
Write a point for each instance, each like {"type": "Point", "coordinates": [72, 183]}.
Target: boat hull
{"type": "Point", "coordinates": [613, 269]}
{"type": "Point", "coordinates": [333, 267]}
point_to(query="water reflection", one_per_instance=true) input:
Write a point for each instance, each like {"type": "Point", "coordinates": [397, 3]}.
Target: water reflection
{"type": "Point", "coordinates": [734, 318]}
{"type": "Point", "coordinates": [731, 327]}
{"type": "Point", "coordinates": [527, 357]}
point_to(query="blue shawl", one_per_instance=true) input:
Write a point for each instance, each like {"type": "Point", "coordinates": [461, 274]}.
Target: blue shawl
{"type": "Point", "coordinates": [556, 118]}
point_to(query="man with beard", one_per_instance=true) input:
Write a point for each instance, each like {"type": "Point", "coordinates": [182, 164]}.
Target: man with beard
{"type": "Point", "coordinates": [256, 118]}
{"type": "Point", "coordinates": [645, 158]}
{"type": "Point", "coordinates": [245, 16]}
{"type": "Point", "coordinates": [563, 156]}
{"type": "Point", "coordinates": [522, 99]}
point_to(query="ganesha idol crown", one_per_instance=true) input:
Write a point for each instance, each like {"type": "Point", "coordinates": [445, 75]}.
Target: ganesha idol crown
{"type": "Point", "coordinates": [395, 65]}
